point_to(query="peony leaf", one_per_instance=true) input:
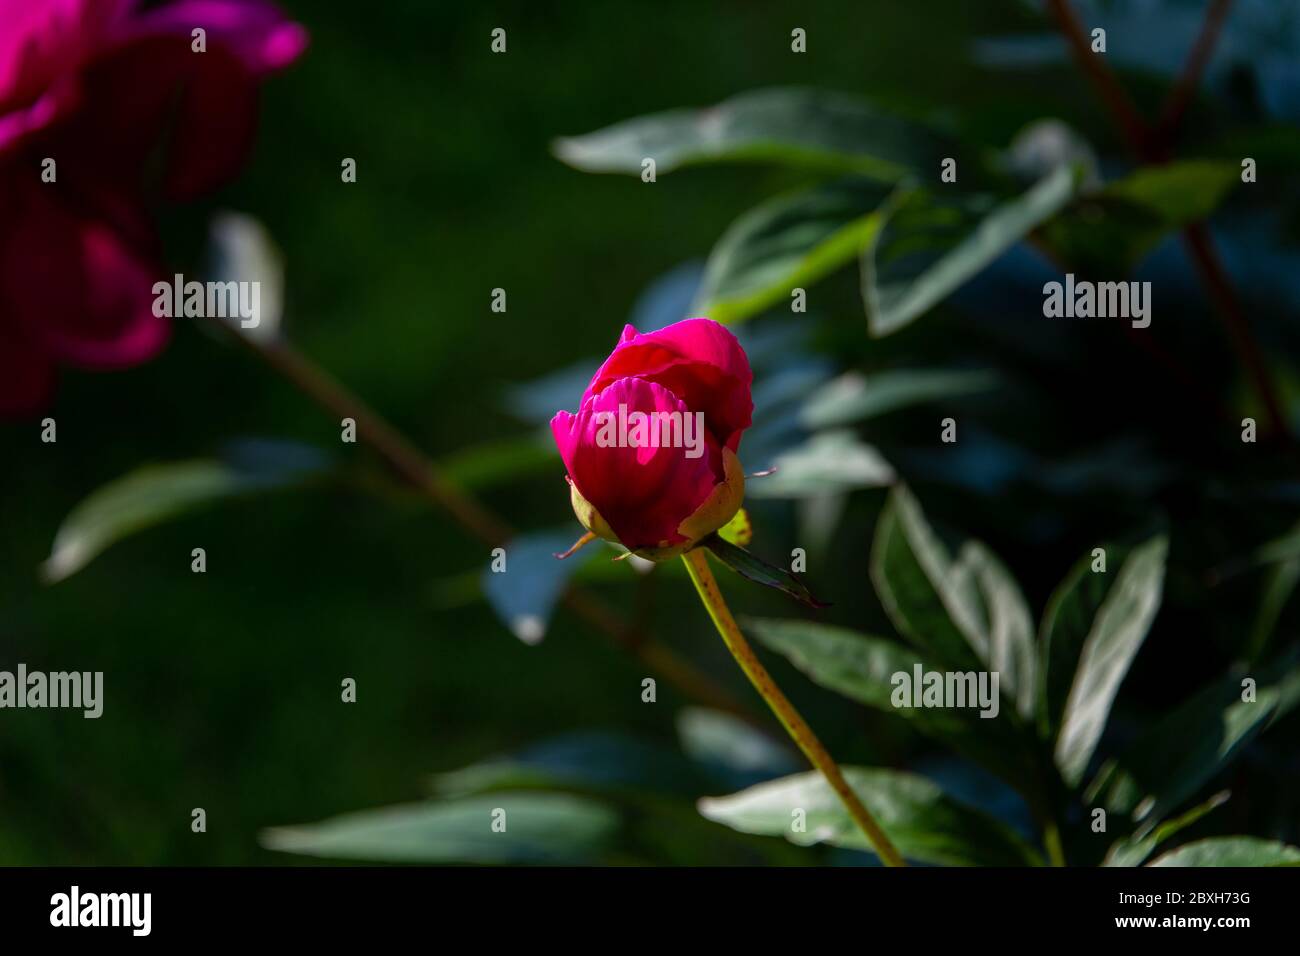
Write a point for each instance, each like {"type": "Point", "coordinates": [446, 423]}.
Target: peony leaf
{"type": "Point", "coordinates": [789, 126]}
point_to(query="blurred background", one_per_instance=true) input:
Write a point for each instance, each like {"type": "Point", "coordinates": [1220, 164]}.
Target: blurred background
{"type": "Point", "coordinates": [222, 689]}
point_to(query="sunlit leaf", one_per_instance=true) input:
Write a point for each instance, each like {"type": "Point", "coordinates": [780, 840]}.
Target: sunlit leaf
{"type": "Point", "coordinates": [856, 397]}
{"type": "Point", "coordinates": [156, 493]}
{"type": "Point", "coordinates": [925, 825]}
{"type": "Point", "coordinates": [933, 244]}
{"type": "Point", "coordinates": [787, 242]}
{"type": "Point", "coordinates": [790, 126]}
{"type": "Point", "coordinates": [829, 462]}
{"type": "Point", "coordinates": [1231, 851]}
{"type": "Point", "coordinates": [1113, 637]}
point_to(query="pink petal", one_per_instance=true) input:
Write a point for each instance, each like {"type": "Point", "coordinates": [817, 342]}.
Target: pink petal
{"type": "Point", "coordinates": [698, 360]}
{"type": "Point", "coordinates": [642, 493]}
{"type": "Point", "coordinates": [75, 288]}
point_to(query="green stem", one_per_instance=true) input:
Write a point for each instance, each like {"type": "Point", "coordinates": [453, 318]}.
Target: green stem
{"type": "Point", "coordinates": [697, 565]}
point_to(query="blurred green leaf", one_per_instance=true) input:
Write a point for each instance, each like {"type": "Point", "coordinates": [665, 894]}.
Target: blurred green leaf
{"type": "Point", "coordinates": [547, 828]}
{"type": "Point", "coordinates": [1105, 650]}
{"type": "Point", "coordinates": [1180, 193]}
{"type": "Point", "coordinates": [789, 242]}
{"type": "Point", "coordinates": [759, 571]}
{"type": "Point", "coordinates": [1112, 229]}
{"type": "Point", "coordinates": [525, 593]}
{"type": "Point", "coordinates": [156, 493]}
{"type": "Point", "coordinates": [595, 761]}
{"type": "Point", "coordinates": [1131, 851]}
{"type": "Point", "coordinates": [925, 824]}
{"type": "Point", "coordinates": [932, 244]}
{"type": "Point", "coordinates": [854, 397]}
{"type": "Point", "coordinates": [732, 748]}
{"type": "Point", "coordinates": [831, 461]}
{"type": "Point", "coordinates": [790, 126]}
{"type": "Point", "coordinates": [494, 463]}
{"type": "Point", "coordinates": [1231, 851]}
{"type": "Point", "coordinates": [1186, 747]}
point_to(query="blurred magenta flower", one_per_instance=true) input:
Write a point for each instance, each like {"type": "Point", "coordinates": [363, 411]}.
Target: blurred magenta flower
{"type": "Point", "coordinates": [651, 453]}
{"type": "Point", "coordinates": [111, 90]}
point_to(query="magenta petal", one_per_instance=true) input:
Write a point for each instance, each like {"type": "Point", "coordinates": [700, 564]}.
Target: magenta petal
{"type": "Point", "coordinates": [76, 289]}
{"type": "Point", "coordinates": [258, 32]}
{"type": "Point", "coordinates": [698, 360]}
{"type": "Point", "coordinates": [644, 493]}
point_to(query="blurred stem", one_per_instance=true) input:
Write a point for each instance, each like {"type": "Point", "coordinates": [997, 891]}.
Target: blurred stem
{"type": "Point", "coordinates": [1153, 147]}
{"type": "Point", "coordinates": [1180, 97]}
{"type": "Point", "coordinates": [697, 565]}
{"type": "Point", "coordinates": [414, 467]}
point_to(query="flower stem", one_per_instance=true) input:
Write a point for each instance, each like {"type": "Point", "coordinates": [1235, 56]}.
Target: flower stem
{"type": "Point", "coordinates": [697, 565]}
{"type": "Point", "coordinates": [412, 465]}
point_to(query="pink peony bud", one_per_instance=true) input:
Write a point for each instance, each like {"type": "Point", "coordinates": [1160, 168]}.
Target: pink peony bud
{"type": "Point", "coordinates": [651, 453]}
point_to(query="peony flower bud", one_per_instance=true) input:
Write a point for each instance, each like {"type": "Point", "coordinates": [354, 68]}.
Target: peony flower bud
{"type": "Point", "coordinates": [651, 452]}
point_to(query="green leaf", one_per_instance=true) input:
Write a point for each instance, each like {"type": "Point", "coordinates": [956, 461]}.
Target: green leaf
{"type": "Point", "coordinates": [832, 461]}
{"type": "Point", "coordinates": [855, 397]}
{"type": "Point", "coordinates": [925, 824]}
{"type": "Point", "coordinates": [155, 493]}
{"type": "Point", "coordinates": [1009, 647]}
{"type": "Point", "coordinates": [1180, 193]}
{"type": "Point", "coordinates": [856, 665]}
{"type": "Point", "coordinates": [932, 245]}
{"type": "Point", "coordinates": [1131, 851]}
{"type": "Point", "coordinates": [788, 242]}
{"type": "Point", "coordinates": [1192, 743]}
{"type": "Point", "coordinates": [549, 828]}
{"type": "Point", "coordinates": [863, 669]}
{"type": "Point", "coordinates": [760, 572]}
{"type": "Point", "coordinates": [1231, 851]}
{"type": "Point", "coordinates": [1108, 648]}
{"type": "Point", "coordinates": [1111, 230]}
{"type": "Point", "coordinates": [722, 742]}
{"type": "Point", "coordinates": [524, 595]}
{"type": "Point", "coordinates": [935, 608]}
{"type": "Point", "coordinates": [790, 126]}
{"type": "Point", "coordinates": [586, 761]}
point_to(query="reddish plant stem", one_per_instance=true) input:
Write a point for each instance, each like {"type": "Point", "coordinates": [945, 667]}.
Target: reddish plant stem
{"type": "Point", "coordinates": [1180, 97]}
{"type": "Point", "coordinates": [415, 468]}
{"type": "Point", "coordinates": [1152, 147]}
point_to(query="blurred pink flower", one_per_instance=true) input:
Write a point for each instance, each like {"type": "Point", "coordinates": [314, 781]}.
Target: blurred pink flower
{"type": "Point", "coordinates": [111, 90]}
